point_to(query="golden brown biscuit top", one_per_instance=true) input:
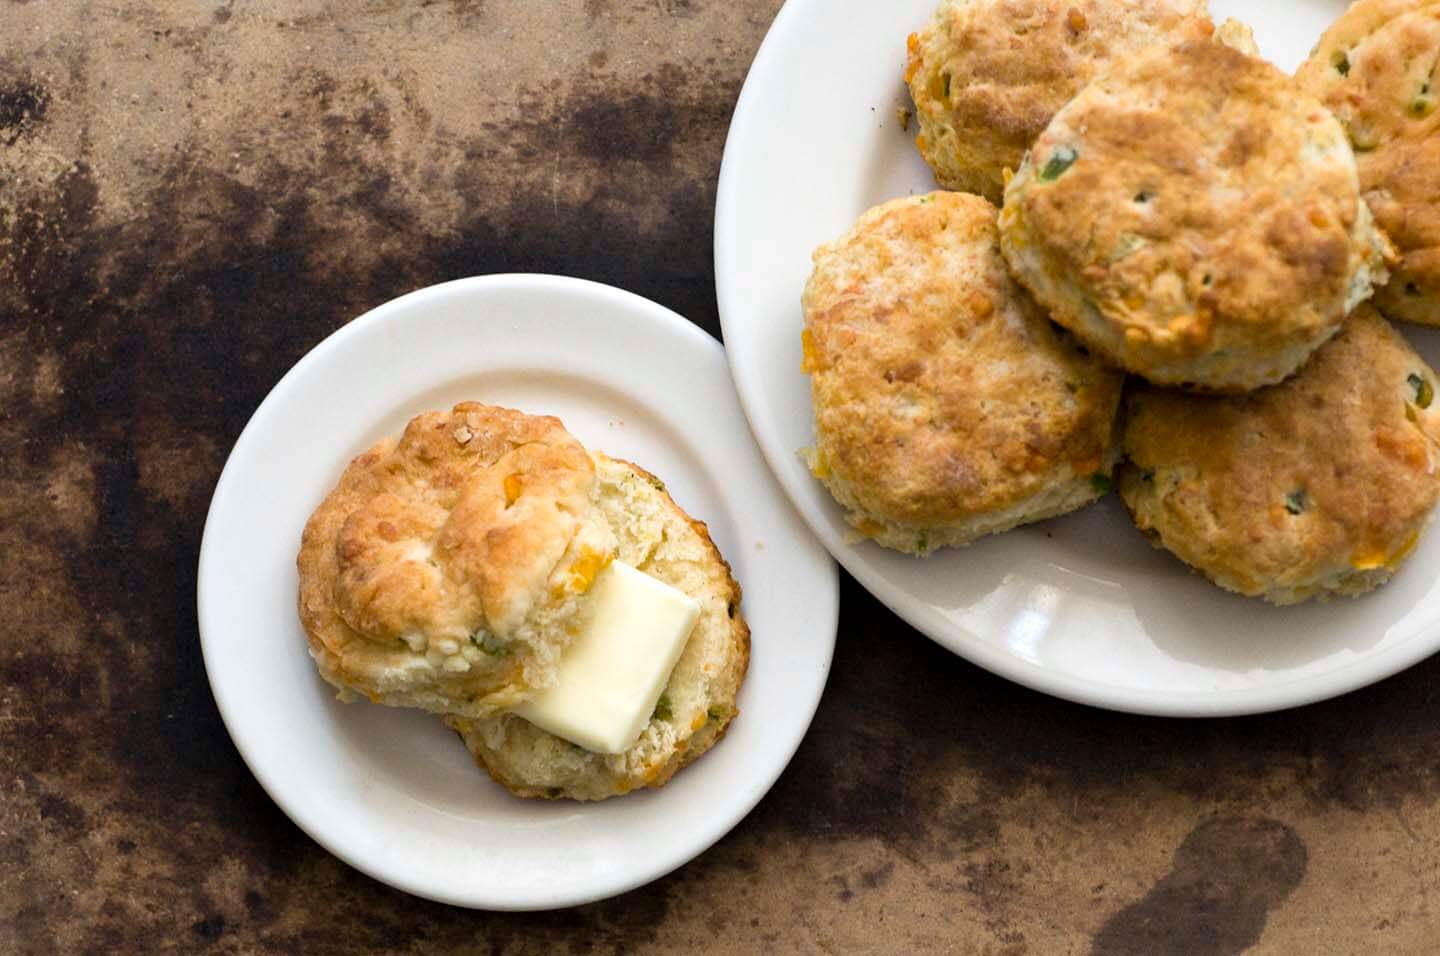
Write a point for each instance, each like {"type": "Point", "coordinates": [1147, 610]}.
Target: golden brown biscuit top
{"type": "Point", "coordinates": [941, 389]}
{"type": "Point", "coordinates": [1005, 66]}
{"type": "Point", "coordinates": [467, 524]}
{"type": "Point", "coordinates": [1194, 194]}
{"type": "Point", "coordinates": [1378, 69]}
{"type": "Point", "coordinates": [1339, 460]}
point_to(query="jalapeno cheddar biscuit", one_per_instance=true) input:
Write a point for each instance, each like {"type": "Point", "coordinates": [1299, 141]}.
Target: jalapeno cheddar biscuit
{"type": "Point", "coordinates": [1319, 485]}
{"type": "Point", "coordinates": [445, 569]}
{"type": "Point", "coordinates": [452, 567]}
{"type": "Point", "coordinates": [1196, 218]}
{"type": "Point", "coordinates": [946, 404]}
{"type": "Point", "coordinates": [987, 75]}
{"type": "Point", "coordinates": [698, 701]}
{"type": "Point", "coordinates": [1376, 68]}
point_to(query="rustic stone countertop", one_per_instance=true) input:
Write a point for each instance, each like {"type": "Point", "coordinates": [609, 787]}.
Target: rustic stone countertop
{"type": "Point", "coordinates": [192, 194]}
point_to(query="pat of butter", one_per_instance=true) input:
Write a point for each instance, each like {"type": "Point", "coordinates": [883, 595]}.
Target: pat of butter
{"type": "Point", "coordinates": [613, 672]}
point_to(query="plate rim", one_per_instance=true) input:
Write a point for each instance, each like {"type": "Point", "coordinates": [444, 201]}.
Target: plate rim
{"type": "Point", "coordinates": [1266, 698]}
{"type": "Point", "coordinates": [826, 616]}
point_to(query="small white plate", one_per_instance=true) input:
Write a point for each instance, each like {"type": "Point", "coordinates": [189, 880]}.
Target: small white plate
{"type": "Point", "coordinates": [394, 793]}
{"type": "Point", "coordinates": [1081, 607]}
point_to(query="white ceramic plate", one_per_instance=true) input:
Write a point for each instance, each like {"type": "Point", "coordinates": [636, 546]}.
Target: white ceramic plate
{"type": "Point", "coordinates": [1081, 607]}
{"type": "Point", "coordinates": [392, 792]}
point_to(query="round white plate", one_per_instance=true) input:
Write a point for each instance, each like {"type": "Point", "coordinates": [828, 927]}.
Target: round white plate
{"type": "Point", "coordinates": [393, 792]}
{"type": "Point", "coordinates": [1080, 607]}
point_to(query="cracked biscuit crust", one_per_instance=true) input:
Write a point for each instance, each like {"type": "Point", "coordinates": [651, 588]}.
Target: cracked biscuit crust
{"type": "Point", "coordinates": [1378, 69]}
{"type": "Point", "coordinates": [1321, 484]}
{"type": "Point", "coordinates": [1196, 218]}
{"type": "Point", "coordinates": [445, 568]}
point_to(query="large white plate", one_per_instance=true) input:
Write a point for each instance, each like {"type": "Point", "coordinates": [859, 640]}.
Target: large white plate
{"type": "Point", "coordinates": [1081, 607]}
{"type": "Point", "coordinates": [392, 792]}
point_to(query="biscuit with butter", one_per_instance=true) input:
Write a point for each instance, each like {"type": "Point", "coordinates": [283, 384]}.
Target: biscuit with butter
{"type": "Point", "coordinates": [655, 536]}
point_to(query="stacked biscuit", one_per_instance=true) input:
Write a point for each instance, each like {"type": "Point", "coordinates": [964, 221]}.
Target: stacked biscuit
{"type": "Point", "coordinates": [449, 570]}
{"type": "Point", "coordinates": [1178, 215]}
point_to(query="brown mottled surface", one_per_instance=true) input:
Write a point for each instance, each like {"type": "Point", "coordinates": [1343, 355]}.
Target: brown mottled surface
{"type": "Point", "coordinates": [193, 194]}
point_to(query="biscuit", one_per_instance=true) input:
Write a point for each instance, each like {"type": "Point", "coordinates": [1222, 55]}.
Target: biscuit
{"type": "Point", "coordinates": [1319, 485]}
{"type": "Point", "coordinates": [1195, 218]}
{"type": "Point", "coordinates": [698, 703]}
{"type": "Point", "coordinates": [444, 570]}
{"type": "Point", "coordinates": [987, 75]}
{"type": "Point", "coordinates": [946, 405]}
{"type": "Point", "coordinates": [1376, 69]}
